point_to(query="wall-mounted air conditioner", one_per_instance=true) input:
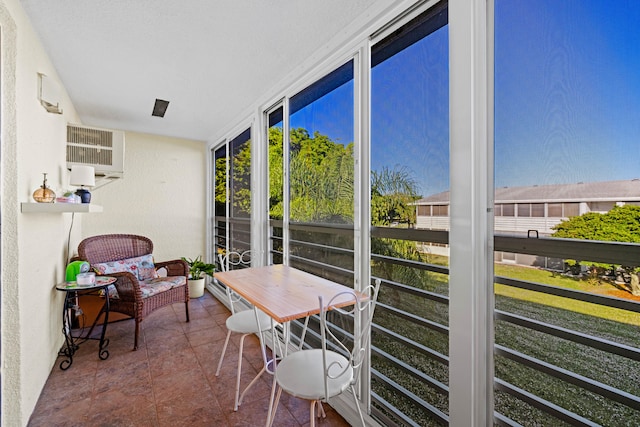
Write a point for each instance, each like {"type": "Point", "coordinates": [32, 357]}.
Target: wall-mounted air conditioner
{"type": "Point", "coordinates": [101, 148]}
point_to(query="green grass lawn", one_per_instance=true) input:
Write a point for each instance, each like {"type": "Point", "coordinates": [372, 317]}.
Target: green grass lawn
{"type": "Point", "coordinates": [605, 322]}
{"type": "Point", "coordinates": [608, 323]}
{"type": "Point", "coordinates": [554, 279]}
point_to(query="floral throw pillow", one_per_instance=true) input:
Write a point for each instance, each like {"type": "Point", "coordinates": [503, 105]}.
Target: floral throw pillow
{"type": "Point", "coordinates": [146, 269]}
{"type": "Point", "coordinates": [142, 267]}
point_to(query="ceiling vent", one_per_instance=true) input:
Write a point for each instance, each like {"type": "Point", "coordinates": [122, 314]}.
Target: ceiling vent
{"type": "Point", "coordinates": [160, 108]}
{"type": "Point", "coordinates": [101, 148]}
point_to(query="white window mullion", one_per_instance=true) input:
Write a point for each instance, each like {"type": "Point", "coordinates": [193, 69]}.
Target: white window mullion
{"type": "Point", "coordinates": [259, 190]}
{"type": "Point", "coordinates": [361, 198]}
{"type": "Point", "coordinates": [471, 235]}
{"type": "Point", "coordinates": [361, 174]}
{"type": "Point", "coordinates": [228, 199]}
{"type": "Point", "coordinates": [286, 194]}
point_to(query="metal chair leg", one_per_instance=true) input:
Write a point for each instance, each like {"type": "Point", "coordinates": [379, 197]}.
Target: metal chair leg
{"type": "Point", "coordinates": [321, 412]}
{"type": "Point", "coordinates": [224, 349]}
{"type": "Point", "coordinates": [253, 381]}
{"type": "Point", "coordinates": [235, 407]}
{"type": "Point", "coordinates": [312, 414]}
{"type": "Point", "coordinates": [274, 405]}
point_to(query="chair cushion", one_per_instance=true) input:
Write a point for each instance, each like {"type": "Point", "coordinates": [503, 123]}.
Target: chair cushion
{"type": "Point", "coordinates": [152, 287]}
{"type": "Point", "coordinates": [244, 322]}
{"type": "Point", "coordinates": [301, 374]}
{"type": "Point", "coordinates": [142, 267]}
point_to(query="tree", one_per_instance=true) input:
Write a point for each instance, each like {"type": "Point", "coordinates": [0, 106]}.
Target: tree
{"type": "Point", "coordinates": [620, 224]}
{"type": "Point", "coordinates": [392, 193]}
{"type": "Point", "coordinates": [276, 173]}
{"type": "Point", "coordinates": [240, 183]}
{"type": "Point", "coordinates": [321, 182]}
{"type": "Point", "coordinates": [321, 179]}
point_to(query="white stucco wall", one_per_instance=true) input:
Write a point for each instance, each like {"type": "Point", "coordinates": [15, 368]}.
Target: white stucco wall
{"type": "Point", "coordinates": [161, 196]}
{"type": "Point", "coordinates": [33, 245]}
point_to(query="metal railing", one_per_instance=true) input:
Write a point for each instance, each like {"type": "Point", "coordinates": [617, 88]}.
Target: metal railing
{"type": "Point", "coordinates": [410, 343]}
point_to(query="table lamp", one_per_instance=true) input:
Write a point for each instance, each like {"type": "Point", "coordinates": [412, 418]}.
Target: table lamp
{"type": "Point", "coordinates": [83, 176]}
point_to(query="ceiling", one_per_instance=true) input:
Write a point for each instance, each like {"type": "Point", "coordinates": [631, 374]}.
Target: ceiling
{"type": "Point", "coordinates": [211, 59]}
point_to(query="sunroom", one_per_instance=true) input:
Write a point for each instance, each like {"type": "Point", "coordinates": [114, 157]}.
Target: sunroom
{"type": "Point", "coordinates": [321, 171]}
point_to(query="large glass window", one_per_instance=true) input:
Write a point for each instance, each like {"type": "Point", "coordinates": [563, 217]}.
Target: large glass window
{"type": "Point", "coordinates": [321, 176]}
{"type": "Point", "coordinates": [240, 192]}
{"type": "Point", "coordinates": [276, 184]}
{"type": "Point", "coordinates": [276, 164]}
{"type": "Point", "coordinates": [321, 150]}
{"type": "Point", "coordinates": [409, 162]}
{"type": "Point", "coordinates": [232, 195]}
{"type": "Point", "coordinates": [220, 177]}
{"type": "Point", "coordinates": [567, 109]}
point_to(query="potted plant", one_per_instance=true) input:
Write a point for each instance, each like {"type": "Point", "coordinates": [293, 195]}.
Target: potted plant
{"type": "Point", "coordinates": [198, 270]}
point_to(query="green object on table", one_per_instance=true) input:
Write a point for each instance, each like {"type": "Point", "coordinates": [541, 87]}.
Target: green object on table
{"type": "Point", "coordinates": [74, 268]}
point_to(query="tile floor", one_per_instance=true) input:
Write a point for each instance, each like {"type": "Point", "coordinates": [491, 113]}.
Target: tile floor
{"type": "Point", "coordinates": [169, 381]}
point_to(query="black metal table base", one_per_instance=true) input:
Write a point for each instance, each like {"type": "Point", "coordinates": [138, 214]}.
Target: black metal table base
{"type": "Point", "coordinates": [72, 343]}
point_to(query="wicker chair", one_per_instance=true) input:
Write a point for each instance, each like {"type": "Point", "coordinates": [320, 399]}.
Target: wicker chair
{"type": "Point", "coordinates": [130, 298]}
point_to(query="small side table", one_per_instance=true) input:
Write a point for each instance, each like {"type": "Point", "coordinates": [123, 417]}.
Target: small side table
{"type": "Point", "coordinates": [72, 343]}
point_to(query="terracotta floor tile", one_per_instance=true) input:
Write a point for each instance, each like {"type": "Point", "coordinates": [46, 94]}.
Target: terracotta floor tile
{"type": "Point", "coordinates": [159, 347]}
{"type": "Point", "coordinates": [200, 409]}
{"type": "Point", "coordinates": [169, 381]}
{"type": "Point", "coordinates": [135, 379]}
{"type": "Point", "coordinates": [170, 361]}
{"type": "Point", "coordinates": [208, 359]}
{"type": "Point", "coordinates": [197, 310]}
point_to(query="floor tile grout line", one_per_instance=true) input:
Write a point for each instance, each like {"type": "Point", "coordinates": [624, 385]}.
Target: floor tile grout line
{"type": "Point", "coordinates": [150, 378]}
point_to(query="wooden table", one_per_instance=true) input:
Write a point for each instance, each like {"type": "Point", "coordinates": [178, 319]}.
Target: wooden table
{"type": "Point", "coordinates": [283, 292]}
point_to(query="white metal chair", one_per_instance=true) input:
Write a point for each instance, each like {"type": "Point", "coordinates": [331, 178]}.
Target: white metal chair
{"type": "Point", "coordinates": [320, 374]}
{"type": "Point", "coordinates": [243, 322]}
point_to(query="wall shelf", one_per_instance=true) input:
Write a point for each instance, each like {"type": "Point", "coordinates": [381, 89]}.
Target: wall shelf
{"type": "Point", "coordinates": [59, 207]}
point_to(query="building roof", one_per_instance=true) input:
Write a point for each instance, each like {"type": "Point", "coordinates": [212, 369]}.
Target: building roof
{"type": "Point", "coordinates": [614, 191]}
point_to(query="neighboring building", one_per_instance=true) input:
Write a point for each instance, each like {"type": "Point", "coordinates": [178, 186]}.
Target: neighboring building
{"type": "Point", "coordinates": [540, 207]}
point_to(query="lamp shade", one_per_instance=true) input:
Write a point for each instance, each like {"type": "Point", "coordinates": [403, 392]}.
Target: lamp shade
{"type": "Point", "coordinates": [83, 175]}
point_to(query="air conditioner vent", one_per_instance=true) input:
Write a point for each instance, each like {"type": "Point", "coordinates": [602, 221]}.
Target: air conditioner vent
{"type": "Point", "coordinates": [89, 155]}
{"type": "Point", "coordinates": [101, 148]}
{"type": "Point", "coordinates": [89, 136]}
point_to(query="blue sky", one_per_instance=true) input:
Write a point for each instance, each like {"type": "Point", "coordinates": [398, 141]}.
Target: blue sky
{"type": "Point", "coordinates": [567, 98]}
